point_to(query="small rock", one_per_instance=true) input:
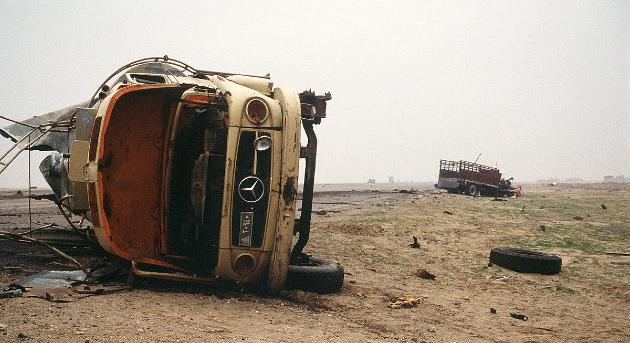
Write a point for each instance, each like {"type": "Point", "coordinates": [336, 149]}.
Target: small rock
{"type": "Point", "coordinates": [431, 329]}
{"type": "Point", "coordinates": [322, 212]}
{"type": "Point", "coordinates": [578, 218]}
{"type": "Point", "coordinates": [604, 207]}
{"type": "Point", "coordinates": [22, 336]}
{"type": "Point", "coordinates": [3, 327]}
{"type": "Point", "coordinates": [541, 228]}
{"type": "Point", "coordinates": [493, 310]}
{"type": "Point", "coordinates": [448, 212]}
{"type": "Point", "coordinates": [518, 316]}
{"type": "Point", "coordinates": [423, 274]}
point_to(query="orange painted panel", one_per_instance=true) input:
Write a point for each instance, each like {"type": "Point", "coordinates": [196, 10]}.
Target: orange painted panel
{"type": "Point", "coordinates": [131, 169]}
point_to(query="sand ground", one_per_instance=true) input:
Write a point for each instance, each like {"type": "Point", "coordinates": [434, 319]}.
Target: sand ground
{"type": "Point", "coordinates": [368, 230]}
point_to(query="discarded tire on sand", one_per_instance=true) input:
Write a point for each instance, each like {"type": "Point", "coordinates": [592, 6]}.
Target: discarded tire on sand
{"type": "Point", "coordinates": [316, 276]}
{"type": "Point", "coordinates": [526, 261]}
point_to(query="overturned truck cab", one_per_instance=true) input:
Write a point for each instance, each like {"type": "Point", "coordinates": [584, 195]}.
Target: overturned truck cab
{"type": "Point", "coordinates": [193, 174]}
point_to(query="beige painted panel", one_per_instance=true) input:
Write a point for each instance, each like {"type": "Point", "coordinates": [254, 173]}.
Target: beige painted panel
{"type": "Point", "coordinates": [289, 101]}
{"type": "Point", "coordinates": [79, 160]}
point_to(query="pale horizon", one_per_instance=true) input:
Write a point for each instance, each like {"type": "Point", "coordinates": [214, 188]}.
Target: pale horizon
{"type": "Point", "coordinates": [541, 89]}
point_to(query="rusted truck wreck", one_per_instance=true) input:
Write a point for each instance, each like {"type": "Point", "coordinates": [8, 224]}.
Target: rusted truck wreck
{"type": "Point", "coordinates": [190, 174]}
{"type": "Point", "coordinates": [474, 179]}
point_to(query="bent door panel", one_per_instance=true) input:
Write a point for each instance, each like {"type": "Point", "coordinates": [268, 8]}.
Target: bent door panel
{"type": "Point", "coordinates": [131, 168]}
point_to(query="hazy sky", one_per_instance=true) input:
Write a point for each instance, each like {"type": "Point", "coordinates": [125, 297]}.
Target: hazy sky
{"type": "Point", "coordinates": [540, 88]}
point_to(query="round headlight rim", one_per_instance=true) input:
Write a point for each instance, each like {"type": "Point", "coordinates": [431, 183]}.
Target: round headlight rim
{"type": "Point", "coordinates": [250, 264]}
{"type": "Point", "coordinates": [252, 118]}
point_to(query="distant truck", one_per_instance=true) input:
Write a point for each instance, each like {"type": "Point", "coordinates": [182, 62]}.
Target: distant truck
{"type": "Point", "coordinates": [474, 179]}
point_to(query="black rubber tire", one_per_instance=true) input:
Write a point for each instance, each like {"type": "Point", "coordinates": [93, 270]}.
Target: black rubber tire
{"type": "Point", "coordinates": [319, 277]}
{"type": "Point", "coordinates": [526, 261]}
{"type": "Point", "coordinates": [472, 190]}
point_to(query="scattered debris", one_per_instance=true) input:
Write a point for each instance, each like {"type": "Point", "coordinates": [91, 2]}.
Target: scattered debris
{"type": "Point", "coordinates": [52, 279]}
{"type": "Point", "coordinates": [404, 302]}
{"type": "Point", "coordinates": [578, 218]}
{"type": "Point", "coordinates": [11, 293]}
{"type": "Point", "coordinates": [498, 199]}
{"type": "Point", "coordinates": [502, 277]}
{"type": "Point", "coordinates": [18, 237]}
{"type": "Point", "coordinates": [415, 243]}
{"type": "Point", "coordinates": [541, 228]}
{"type": "Point", "coordinates": [604, 207]}
{"type": "Point", "coordinates": [448, 212]}
{"type": "Point", "coordinates": [407, 191]}
{"type": "Point", "coordinates": [59, 286]}
{"type": "Point", "coordinates": [423, 274]}
{"type": "Point", "coordinates": [493, 310]}
{"type": "Point", "coordinates": [518, 316]}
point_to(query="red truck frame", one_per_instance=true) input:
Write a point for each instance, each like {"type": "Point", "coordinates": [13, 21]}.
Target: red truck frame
{"type": "Point", "coordinates": [473, 179]}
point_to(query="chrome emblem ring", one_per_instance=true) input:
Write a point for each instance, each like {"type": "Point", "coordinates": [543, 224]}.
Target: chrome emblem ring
{"type": "Point", "coordinates": [251, 189]}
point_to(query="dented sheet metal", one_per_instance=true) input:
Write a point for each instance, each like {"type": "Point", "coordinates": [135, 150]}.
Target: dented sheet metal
{"type": "Point", "coordinates": [54, 140]}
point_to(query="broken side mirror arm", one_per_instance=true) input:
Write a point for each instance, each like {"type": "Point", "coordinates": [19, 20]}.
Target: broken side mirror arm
{"type": "Point", "coordinates": [303, 225]}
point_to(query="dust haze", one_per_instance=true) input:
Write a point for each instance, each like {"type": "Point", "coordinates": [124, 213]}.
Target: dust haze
{"type": "Point", "coordinates": [540, 89]}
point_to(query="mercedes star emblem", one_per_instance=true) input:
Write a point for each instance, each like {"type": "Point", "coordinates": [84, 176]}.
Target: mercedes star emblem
{"type": "Point", "coordinates": [251, 189]}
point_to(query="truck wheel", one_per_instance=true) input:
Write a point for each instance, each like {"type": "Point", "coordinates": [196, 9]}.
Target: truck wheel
{"type": "Point", "coordinates": [526, 261]}
{"type": "Point", "coordinates": [472, 190]}
{"type": "Point", "coordinates": [316, 275]}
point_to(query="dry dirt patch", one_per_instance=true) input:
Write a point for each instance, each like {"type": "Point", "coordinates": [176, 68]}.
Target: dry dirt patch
{"type": "Point", "coordinates": [369, 233]}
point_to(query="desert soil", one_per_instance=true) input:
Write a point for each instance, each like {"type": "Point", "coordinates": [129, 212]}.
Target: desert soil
{"type": "Point", "coordinates": [368, 230]}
